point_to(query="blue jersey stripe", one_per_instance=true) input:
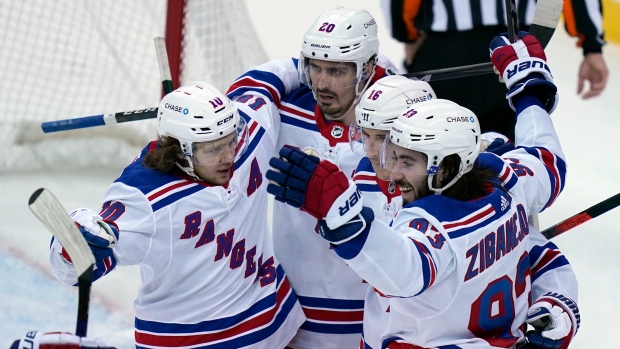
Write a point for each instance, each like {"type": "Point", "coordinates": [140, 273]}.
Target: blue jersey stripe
{"type": "Point", "coordinates": [311, 126]}
{"type": "Point", "coordinates": [558, 262]}
{"type": "Point", "coordinates": [170, 199]}
{"type": "Point", "coordinates": [314, 302]}
{"type": "Point", "coordinates": [332, 328]}
{"type": "Point", "coordinates": [249, 338]}
{"type": "Point", "coordinates": [368, 187]}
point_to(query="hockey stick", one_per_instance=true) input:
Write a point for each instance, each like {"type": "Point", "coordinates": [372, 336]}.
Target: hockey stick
{"type": "Point", "coordinates": [582, 217]}
{"type": "Point", "coordinates": [98, 120]}
{"type": "Point", "coordinates": [50, 212]}
{"type": "Point", "coordinates": [164, 65]}
{"type": "Point", "coordinates": [546, 18]}
{"type": "Point", "coordinates": [512, 20]}
{"type": "Point", "coordinates": [117, 118]}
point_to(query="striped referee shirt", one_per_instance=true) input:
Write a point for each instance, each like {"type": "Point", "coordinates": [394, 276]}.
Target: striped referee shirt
{"type": "Point", "coordinates": [409, 18]}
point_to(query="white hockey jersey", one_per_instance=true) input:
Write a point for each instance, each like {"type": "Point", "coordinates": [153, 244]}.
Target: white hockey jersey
{"type": "Point", "coordinates": [383, 197]}
{"type": "Point", "coordinates": [551, 275]}
{"type": "Point", "coordinates": [209, 275]}
{"type": "Point", "coordinates": [331, 294]}
{"type": "Point", "coordinates": [459, 273]}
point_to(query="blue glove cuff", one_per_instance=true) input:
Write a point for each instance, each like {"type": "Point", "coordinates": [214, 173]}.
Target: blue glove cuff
{"type": "Point", "coordinates": [543, 90]}
{"type": "Point", "coordinates": [348, 231]}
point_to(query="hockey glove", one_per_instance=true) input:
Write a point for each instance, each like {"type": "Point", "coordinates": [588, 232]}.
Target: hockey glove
{"type": "Point", "coordinates": [318, 187]}
{"type": "Point", "coordinates": [495, 143]}
{"type": "Point", "coordinates": [101, 236]}
{"type": "Point", "coordinates": [348, 230]}
{"type": "Point", "coordinates": [523, 67]}
{"type": "Point", "coordinates": [57, 340]}
{"type": "Point", "coordinates": [552, 325]}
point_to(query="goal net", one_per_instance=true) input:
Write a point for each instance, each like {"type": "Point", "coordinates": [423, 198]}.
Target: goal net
{"type": "Point", "coordinates": [64, 59]}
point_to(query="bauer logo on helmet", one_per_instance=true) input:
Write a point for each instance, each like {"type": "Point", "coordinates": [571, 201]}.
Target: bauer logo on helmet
{"type": "Point", "coordinates": [371, 22]}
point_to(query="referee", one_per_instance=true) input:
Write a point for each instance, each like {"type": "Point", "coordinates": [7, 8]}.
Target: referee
{"type": "Point", "coordinates": [449, 33]}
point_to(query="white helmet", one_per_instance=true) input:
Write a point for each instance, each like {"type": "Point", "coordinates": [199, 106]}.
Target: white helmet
{"type": "Point", "coordinates": [439, 128]}
{"type": "Point", "coordinates": [341, 35]}
{"type": "Point", "coordinates": [196, 113]}
{"type": "Point", "coordinates": [382, 104]}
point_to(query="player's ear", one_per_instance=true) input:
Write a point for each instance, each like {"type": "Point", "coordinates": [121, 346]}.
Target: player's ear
{"type": "Point", "coordinates": [448, 169]}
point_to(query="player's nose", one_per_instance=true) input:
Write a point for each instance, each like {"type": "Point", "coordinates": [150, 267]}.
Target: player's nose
{"type": "Point", "coordinates": [323, 81]}
{"type": "Point", "coordinates": [228, 155]}
{"type": "Point", "coordinates": [396, 176]}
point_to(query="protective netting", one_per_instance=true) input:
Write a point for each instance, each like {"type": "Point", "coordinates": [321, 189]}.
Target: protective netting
{"type": "Point", "coordinates": [64, 59]}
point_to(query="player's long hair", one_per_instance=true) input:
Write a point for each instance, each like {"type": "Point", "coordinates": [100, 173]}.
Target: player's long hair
{"type": "Point", "coordinates": [165, 157]}
{"type": "Point", "coordinates": [472, 185]}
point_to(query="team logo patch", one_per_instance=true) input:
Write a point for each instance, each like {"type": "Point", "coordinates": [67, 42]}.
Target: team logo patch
{"type": "Point", "coordinates": [337, 131]}
{"type": "Point", "coordinates": [391, 187]}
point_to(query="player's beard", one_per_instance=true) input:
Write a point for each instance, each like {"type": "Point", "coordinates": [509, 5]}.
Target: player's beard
{"type": "Point", "coordinates": [417, 192]}
{"type": "Point", "coordinates": [334, 107]}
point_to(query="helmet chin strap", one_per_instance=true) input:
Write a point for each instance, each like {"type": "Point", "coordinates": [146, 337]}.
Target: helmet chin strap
{"type": "Point", "coordinates": [438, 191]}
{"type": "Point", "coordinates": [189, 170]}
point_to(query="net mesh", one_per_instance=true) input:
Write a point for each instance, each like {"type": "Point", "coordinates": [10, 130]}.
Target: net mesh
{"type": "Point", "coordinates": [64, 59]}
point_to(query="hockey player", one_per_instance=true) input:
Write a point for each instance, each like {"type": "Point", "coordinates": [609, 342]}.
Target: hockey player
{"type": "Point", "coordinates": [376, 112]}
{"type": "Point", "coordinates": [374, 116]}
{"type": "Point", "coordinates": [455, 264]}
{"type": "Point", "coordinates": [191, 210]}
{"type": "Point", "coordinates": [339, 60]}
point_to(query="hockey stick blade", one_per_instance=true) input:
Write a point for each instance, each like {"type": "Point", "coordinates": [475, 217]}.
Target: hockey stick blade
{"type": "Point", "coordinates": [582, 217]}
{"type": "Point", "coordinates": [546, 18]}
{"type": "Point", "coordinates": [54, 217]}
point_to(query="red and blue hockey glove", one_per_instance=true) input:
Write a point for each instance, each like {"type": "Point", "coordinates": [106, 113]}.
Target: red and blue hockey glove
{"type": "Point", "coordinates": [318, 187]}
{"type": "Point", "coordinates": [523, 67]}
{"type": "Point", "coordinates": [552, 325]}
{"type": "Point", "coordinates": [101, 236]}
{"type": "Point", "coordinates": [57, 340]}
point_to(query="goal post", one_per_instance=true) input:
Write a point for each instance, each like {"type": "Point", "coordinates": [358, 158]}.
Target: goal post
{"type": "Point", "coordinates": [65, 59]}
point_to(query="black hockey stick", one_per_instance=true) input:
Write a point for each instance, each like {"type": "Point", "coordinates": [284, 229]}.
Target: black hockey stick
{"type": "Point", "coordinates": [546, 18]}
{"type": "Point", "coordinates": [512, 20]}
{"type": "Point", "coordinates": [582, 217]}
{"type": "Point", "coordinates": [117, 118]}
{"type": "Point", "coordinates": [50, 212]}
